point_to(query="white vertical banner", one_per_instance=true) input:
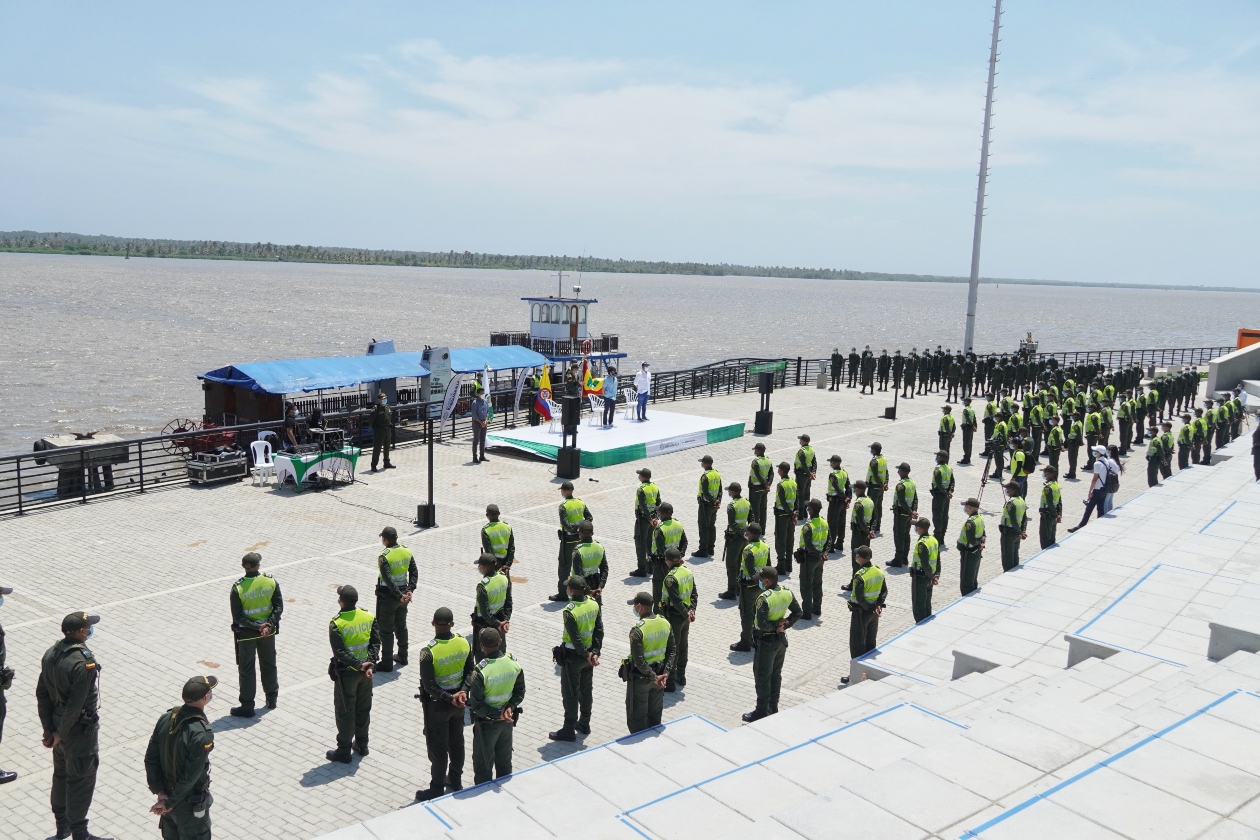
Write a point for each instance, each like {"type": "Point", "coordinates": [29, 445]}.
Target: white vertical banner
{"type": "Point", "coordinates": [448, 404]}
{"type": "Point", "coordinates": [520, 389]}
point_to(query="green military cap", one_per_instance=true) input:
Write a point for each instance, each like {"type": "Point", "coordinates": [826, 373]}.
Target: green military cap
{"type": "Point", "coordinates": [972, 502]}
{"type": "Point", "coordinates": [76, 621]}
{"type": "Point", "coordinates": [736, 486]}
{"type": "Point", "coordinates": [568, 485]}
{"type": "Point", "coordinates": [389, 532]}
{"type": "Point", "coordinates": [198, 687]}
{"type": "Point", "coordinates": [645, 472]}
{"type": "Point", "coordinates": [486, 559]}
{"type": "Point", "coordinates": [576, 583]}
{"type": "Point", "coordinates": [706, 459]}
{"type": "Point", "coordinates": [834, 459]}
{"type": "Point", "coordinates": [643, 598]}
{"type": "Point", "coordinates": [252, 559]}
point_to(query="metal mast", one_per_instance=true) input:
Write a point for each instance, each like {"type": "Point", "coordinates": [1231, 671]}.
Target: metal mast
{"type": "Point", "coordinates": [974, 285]}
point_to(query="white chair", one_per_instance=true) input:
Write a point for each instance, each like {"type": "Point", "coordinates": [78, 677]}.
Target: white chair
{"type": "Point", "coordinates": [597, 410]}
{"type": "Point", "coordinates": [260, 453]}
{"type": "Point", "coordinates": [554, 408]}
{"type": "Point", "coordinates": [631, 397]}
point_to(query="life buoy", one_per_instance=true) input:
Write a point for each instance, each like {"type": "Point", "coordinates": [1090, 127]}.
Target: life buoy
{"type": "Point", "coordinates": [586, 347]}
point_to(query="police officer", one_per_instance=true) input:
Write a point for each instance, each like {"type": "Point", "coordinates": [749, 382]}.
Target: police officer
{"type": "Point", "coordinates": [867, 594]}
{"type": "Point", "coordinates": [1014, 526]}
{"type": "Point", "coordinates": [912, 369]}
{"type": "Point", "coordinates": [862, 529]}
{"type": "Point", "coordinates": [572, 512]}
{"type": "Point", "coordinates": [905, 509]}
{"type": "Point", "coordinates": [382, 431]}
{"type": "Point", "coordinates": [498, 539]}
{"type": "Point", "coordinates": [356, 647]}
{"type": "Point", "coordinates": [945, 429]}
{"type": "Point", "coordinates": [968, 426]}
{"type": "Point", "coordinates": [678, 604]}
{"type": "Point", "coordinates": [839, 496]}
{"type": "Point", "coordinates": [755, 555]}
{"type": "Point", "coordinates": [495, 691]}
{"type": "Point", "coordinates": [812, 555]}
{"type": "Point", "coordinates": [578, 657]}
{"type": "Point", "coordinates": [760, 477]}
{"type": "Point", "coordinates": [177, 764]}
{"type": "Point", "coordinates": [493, 600]}
{"type": "Point", "coordinates": [882, 366]}
{"type": "Point", "coordinates": [396, 580]}
{"type": "Point", "coordinates": [6, 681]}
{"type": "Point", "coordinates": [667, 534]}
{"type": "Point", "coordinates": [775, 611]}
{"type": "Point", "coordinates": [925, 570]}
{"type": "Point", "coordinates": [590, 562]}
{"type": "Point", "coordinates": [708, 500]}
{"type": "Point", "coordinates": [837, 369]}
{"type": "Point", "coordinates": [942, 490]}
{"type": "Point", "coordinates": [854, 362]}
{"type": "Point", "coordinates": [1020, 466]}
{"type": "Point", "coordinates": [647, 498]}
{"type": "Point", "coordinates": [1074, 436]}
{"type": "Point", "coordinates": [877, 484]}
{"type": "Point", "coordinates": [256, 605]}
{"type": "Point", "coordinates": [970, 546]}
{"type": "Point", "coordinates": [652, 649]}
{"type": "Point", "coordinates": [738, 515]}
{"type": "Point", "coordinates": [1050, 507]}
{"type": "Point", "coordinates": [446, 664]}
{"type": "Point", "coordinates": [1184, 442]}
{"type": "Point", "coordinates": [1154, 456]}
{"type": "Point", "coordinates": [68, 702]}
{"type": "Point", "coordinates": [898, 365]}
{"type": "Point", "coordinates": [868, 370]}
{"type": "Point", "coordinates": [785, 495]}
{"type": "Point", "coordinates": [1054, 442]}
{"type": "Point", "coordinates": [805, 469]}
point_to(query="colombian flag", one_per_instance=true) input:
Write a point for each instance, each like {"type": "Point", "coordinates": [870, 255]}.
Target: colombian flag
{"type": "Point", "coordinates": [590, 385]}
{"type": "Point", "coordinates": [544, 394]}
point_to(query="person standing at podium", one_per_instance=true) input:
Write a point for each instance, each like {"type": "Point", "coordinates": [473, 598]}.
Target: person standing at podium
{"type": "Point", "coordinates": [643, 387]}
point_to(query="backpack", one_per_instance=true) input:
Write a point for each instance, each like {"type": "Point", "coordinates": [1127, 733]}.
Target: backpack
{"type": "Point", "coordinates": [1113, 476]}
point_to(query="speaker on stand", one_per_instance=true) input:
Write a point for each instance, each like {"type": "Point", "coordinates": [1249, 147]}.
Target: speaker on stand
{"type": "Point", "coordinates": [569, 459]}
{"type": "Point", "coordinates": [763, 422]}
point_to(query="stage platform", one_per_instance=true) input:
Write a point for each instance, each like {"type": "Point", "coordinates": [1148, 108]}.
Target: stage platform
{"type": "Point", "coordinates": [628, 440]}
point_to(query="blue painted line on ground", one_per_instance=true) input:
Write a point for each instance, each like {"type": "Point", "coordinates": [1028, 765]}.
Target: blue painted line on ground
{"type": "Point", "coordinates": [1005, 815]}
{"type": "Point", "coordinates": [1218, 516]}
{"type": "Point", "coordinates": [938, 716]}
{"type": "Point", "coordinates": [893, 673]}
{"type": "Point", "coordinates": [437, 816]}
{"type": "Point", "coordinates": [634, 828]}
{"type": "Point", "coordinates": [1123, 595]}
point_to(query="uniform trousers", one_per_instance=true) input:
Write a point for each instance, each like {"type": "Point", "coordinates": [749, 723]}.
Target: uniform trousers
{"type": "Point", "coordinates": [576, 689]}
{"type": "Point", "coordinates": [901, 537]}
{"type": "Point", "coordinates": [784, 531]}
{"type": "Point", "coordinates": [680, 626]}
{"type": "Point", "coordinates": [876, 494]}
{"type": "Point", "coordinates": [492, 749]}
{"type": "Point", "coordinates": [968, 435]}
{"type": "Point", "coordinates": [564, 562]}
{"type": "Point", "coordinates": [757, 499]}
{"type": "Point", "coordinates": [265, 649]}
{"type": "Point", "coordinates": [1048, 528]}
{"type": "Point", "coordinates": [940, 515]}
{"type": "Point", "coordinates": [1183, 457]}
{"type": "Point", "coordinates": [444, 738]}
{"type": "Point", "coordinates": [804, 483]}
{"type": "Point", "coordinates": [380, 443]}
{"type": "Point", "coordinates": [811, 585]}
{"type": "Point", "coordinates": [920, 595]}
{"type": "Point", "coordinates": [863, 628]}
{"type": "Point", "coordinates": [1010, 547]}
{"type": "Point", "coordinates": [1152, 471]}
{"type": "Point", "coordinates": [732, 554]}
{"type": "Point", "coordinates": [391, 621]}
{"type": "Point", "coordinates": [706, 514]}
{"type": "Point", "coordinates": [478, 441]}
{"type": "Point", "coordinates": [645, 700]}
{"type": "Point", "coordinates": [835, 523]}
{"type": "Point", "coordinates": [769, 650]}
{"type": "Point", "coordinates": [1073, 451]}
{"type": "Point", "coordinates": [748, 592]}
{"type": "Point", "coordinates": [182, 823]}
{"type": "Point", "coordinates": [642, 539]}
{"type": "Point", "coordinates": [352, 702]}
{"type": "Point", "coordinates": [75, 762]}
{"type": "Point", "coordinates": [969, 570]}
{"type": "Point", "coordinates": [943, 441]}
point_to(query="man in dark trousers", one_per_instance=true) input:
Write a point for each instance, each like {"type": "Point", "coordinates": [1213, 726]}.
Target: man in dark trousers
{"type": "Point", "coordinates": [6, 680]}
{"type": "Point", "coordinates": [776, 610]}
{"type": "Point", "coordinates": [572, 512]}
{"type": "Point", "coordinates": [582, 641]}
{"type": "Point", "coordinates": [738, 515]}
{"type": "Point", "coordinates": [970, 547]}
{"type": "Point", "coordinates": [855, 362]}
{"type": "Point", "coordinates": [755, 556]}
{"type": "Point", "coordinates": [68, 701]}
{"type": "Point", "coordinates": [1014, 525]}
{"type": "Point", "coordinates": [968, 427]}
{"type": "Point", "coordinates": [677, 603]}
{"type": "Point", "coordinates": [942, 490]}
{"type": "Point", "coordinates": [813, 554]}
{"type": "Point", "coordinates": [493, 599]}
{"type": "Point", "coordinates": [925, 570]}
{"type": "Point", "coordinates": [945, 429]}
{"type": "Point", "coordinates": [177, 764]}
{"type": "Point", "coordinates": [495, 691]}
{"type": "Point", "coordinates": [396, 580]}
{"type": "Point", "coordinates": [805, 469]}
{"type": "Point", "coordinates": [877, 483]}
{"type": "Point", "coordinates": [479, 411]}
{"type": "Point", "coordinates": [837, 369]}
{"type": "Point", "coordinates": [839, 496]}
{"type": "Point", "coordinates": [867, 594]}
{"type": "Point", "coordinates": [868, 370]}
{"type": "Point", "coordinates": [760, 479]}
{"type": "Point", "coordinates": [446, 664]}
{"type": "Point", "coordinates": [256, 605]}
{"type": "Point", "coordinates": [651, 659]}
{"type": "Point", "coordinates": [905, 508]}
{"type": "Point", "coordinates": [647, 498]}
{"type": "Point", "coordinates": [862, 529]}
{"type": "Point", "coordinates": [382, 431]}
{"type": "Point", "coordinates": [898, 365]}
{"type": "Point", "coordinates": [708, 500]}
{"type": "Point", "coordinates": [883, 365]}
{"type": "Point", "coordinates": [1050, 507]}
{"type": "Point", "coordinates": [356, 646]}
{"type": "Point", "coordinates": [911, 371]}
{"type": "Point", "coordinates": [785, 495]}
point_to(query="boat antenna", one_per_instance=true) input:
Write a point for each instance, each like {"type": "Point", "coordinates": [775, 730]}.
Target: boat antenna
{"type": "Point", "coordinates": [974, 283]}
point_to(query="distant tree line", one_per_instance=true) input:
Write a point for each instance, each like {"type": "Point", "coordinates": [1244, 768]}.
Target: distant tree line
{"type": "Point", "coordinates": [35, 242]}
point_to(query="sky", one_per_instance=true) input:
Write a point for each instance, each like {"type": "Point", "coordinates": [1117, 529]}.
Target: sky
{"type": "Point", "coordinates": [825, 134]}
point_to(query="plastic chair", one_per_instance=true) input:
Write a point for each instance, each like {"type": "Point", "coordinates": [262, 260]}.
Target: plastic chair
{"type": "Point", "coordinates": [597, 410]}
{"type": "Point", "coordinates": [260, 454]}
{"type": "Point", "coordinates": [631, 398]}
{"type": "Point", "coordinates": [554, 408]}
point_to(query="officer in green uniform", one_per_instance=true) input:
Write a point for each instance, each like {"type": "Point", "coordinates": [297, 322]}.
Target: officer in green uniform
{"type": "Point", "coordinates": [652, 650]}
{"type": "Point", "coordinates": [1154, 456]}
{"type": "Point", "coordinates": [805, 468]}
{"type": "Point", "coordinates": [647, 498]}
{"type": "Point", "coordinates": [776, 610]}
{"type": "Point", "coordinates": [968, 426]}
{"type": "Point", "coordinates": [493, 599]}
{"type": "Point", "coordinates": [578, 656]}
{"type": "Point", "coordinates": [1074, 436]}
{"type": "Point", "coordinates": [677, 604]}
{"type": "Point", "coordinates": [945, 429]}
{"type": "Point", "coordinates": [68, 702]}
{"type": "Point", "coordinates": [812, 555]}
{"type": "Point", "coordinates": [382, 431]}
{"type": "Point", "coordinates": [498, 539]}
{"type": "Point", "coordinates": [785, 495]}
{"type": "Point", "coordinates": [256, 605]}
{"type": "Point", "coordinates": [1020, 467]}
{"type": "Point", "coordinates": [1166, 439]}
{"type": "Point", "coordinates": [446, 664]}
{"type": "Point", "coordinates": [1050, 507]}
{"type": "Point", "coordinates": [755, 556]}
{"type": "Point", "coordinates": [667, 534]}
{"type": "Point", "coordinates": [1054, 442]}
{"type": "Point", "coordinates": [572, 512]}
{"type": "Point", "coordinates": [760, 477]}
{"type": "Point", "coordinates": [590, 562]}
{"type": "Point", "coordinates": [877, 484]}
{"type": "Point", "coordinates": [6, 681]}
{"type": "Point", "coordinates": [1014, 526]}
{"type": "Point", "coordinates": [708, 500]}
{"type": "Point", "coordinates": [905, 508]}
{"type": "Point", "coordinates": [925, 571]}
{"type": "Point", "coordinates": [356, 647]}
{"type": "Point", "coordinates": [396, 580]}
{"type": "Point", "coordinates": [970, 546]}
{"type": "Point", "coordinates": [867, 594]}
{"type": "Point", "coordinates": [1184, 442]}
{"type": "Point", "coordinates": [738, 515]}
{"type": "Point", "coordinates": [839, 497]}
{"type": "Point", "coordinates": [942, 490]}
{"type": "Point", "coordinates": [177, 764]}
{"type": "Point", "coordinates": [862, 529]}
{"type": "Point", "coordinates": [495, 691]}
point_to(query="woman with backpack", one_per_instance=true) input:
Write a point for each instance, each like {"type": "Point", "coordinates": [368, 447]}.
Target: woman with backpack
{"type": "Point", "coordinates": [1105, 473]}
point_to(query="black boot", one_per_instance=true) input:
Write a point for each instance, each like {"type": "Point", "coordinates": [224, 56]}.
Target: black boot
{"type": "Point", "coordinates": [7, 776]}
{"type": "Point", "coordinates": [564, 734]}
{"type": "Point", "coordinates": [400, 659]}
{"type": "Point", "coordinates": [740, 646]}
{"type": "Point", "coordinates": [425, 794]}
{"type": "Point", "coordinates": [241, 711]}
{"type": "Point", "coordinates": [584, 728]}
{"type": "Point", "coordinates": [361, 749]}
{"type": "Point", "coordinates": [338, 756]}
{"type": "Point", "coordinates": [756, 714]}
{"type": "Point", "coordinates": [271, 701]}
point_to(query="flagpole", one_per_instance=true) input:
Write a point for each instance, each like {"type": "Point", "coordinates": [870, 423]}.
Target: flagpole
{"type": "Point", "coordinates": [973, 286]}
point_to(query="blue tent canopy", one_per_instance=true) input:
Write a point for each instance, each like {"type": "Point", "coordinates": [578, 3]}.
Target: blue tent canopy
{"type": "Point", "coordinates": [294, 375]}
{"type": "Point", "coordinates": [504, 357]}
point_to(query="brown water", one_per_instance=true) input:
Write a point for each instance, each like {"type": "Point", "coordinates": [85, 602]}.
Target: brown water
{"type": "Point", "coordinates": [115, 345]}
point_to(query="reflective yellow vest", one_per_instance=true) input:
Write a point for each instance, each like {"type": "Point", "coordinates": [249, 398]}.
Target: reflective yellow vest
{"type": "Point", "coordinates": [255, 594]}
{"type": "Point", "coordinates": [933, 554]}
{"type": "Point", "coordinates": [398, 559]}
{"type": "Point", "coordinates": [498, 678]}
{"type": "Point", "coordinates": [355, 627]}
{"type": "Point", "coordinates": [584, 613]}
{"type": "Point", "coordinates": [777, 601]}
{"type": "Point", "coordinates": [655, 631]}
{"type": "Point", "coordinates": [498, 534]}
{"type": "Point", "coordinates": [449, 657]}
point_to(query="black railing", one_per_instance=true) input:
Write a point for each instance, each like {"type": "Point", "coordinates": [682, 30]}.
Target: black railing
{"type": "Point", "coordinates": [1158, 357]}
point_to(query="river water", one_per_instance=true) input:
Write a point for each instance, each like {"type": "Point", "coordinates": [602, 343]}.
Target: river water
{"type": "Point", "coordinates": [115, 345]}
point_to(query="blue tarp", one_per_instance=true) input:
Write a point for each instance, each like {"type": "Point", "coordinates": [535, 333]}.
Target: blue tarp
{"type": "Point", "coordinates": [475, 359]}
{"type": "Point", "coordinates": [294, 375]}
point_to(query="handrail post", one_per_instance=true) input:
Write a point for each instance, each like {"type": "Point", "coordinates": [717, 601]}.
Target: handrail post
{"type": "Point", "coordinates": [140, 458]}
{"type": "Point", "coordinates": [18, 462]}
{"type": "Point", "coordinates": [83, 477]}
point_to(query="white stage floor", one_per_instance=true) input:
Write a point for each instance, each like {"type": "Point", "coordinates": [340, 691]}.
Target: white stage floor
{"type": "Point", "coordinates": [627, 440]}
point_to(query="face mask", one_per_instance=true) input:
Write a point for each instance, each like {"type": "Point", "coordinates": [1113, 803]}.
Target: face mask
{"type": "Point", "coordinates": [209, 697]}
{"type": "Point", "coordinates": [91, 632]}
{"type": "Point", "coordinates": [1, 600]}
{"type": "Point", "coordinates": [761, 586]}
{"type": "Point", "coordinates": [636, 615]}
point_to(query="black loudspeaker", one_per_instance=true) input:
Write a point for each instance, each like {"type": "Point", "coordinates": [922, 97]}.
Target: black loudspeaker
{"type": "Point", "coordinates": [569, 462]}
{"type": "Point", "coordinates": [426, 516]}
{"type": "Point", "coordinates": [890, 413]}
{"type": "Point", "coordinates": [765, 383]}
{"type": "Point", "coordinates": [763, 423]}
{"type": "Point", "coordinates": [570, 412]}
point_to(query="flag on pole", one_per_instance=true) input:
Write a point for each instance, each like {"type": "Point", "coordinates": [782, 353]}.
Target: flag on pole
{"type": "Point", "coordinates": [544, 394]}
{"type": "Point", "coordinates": [485, 389]}
{"type": "Point", "coordinates": [590, 385]}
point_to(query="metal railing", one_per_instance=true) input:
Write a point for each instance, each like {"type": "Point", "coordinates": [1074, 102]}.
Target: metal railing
{"type": "Point", "coordinates": [1159, 357]}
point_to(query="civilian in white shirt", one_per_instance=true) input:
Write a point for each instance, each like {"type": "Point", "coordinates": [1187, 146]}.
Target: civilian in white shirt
{"type": "Point", "coordinates": [1096, 496]}
{"type": "Point", "coordinates": [610, 396]}
{"type": "Point", "coordinates": [643, 385]}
